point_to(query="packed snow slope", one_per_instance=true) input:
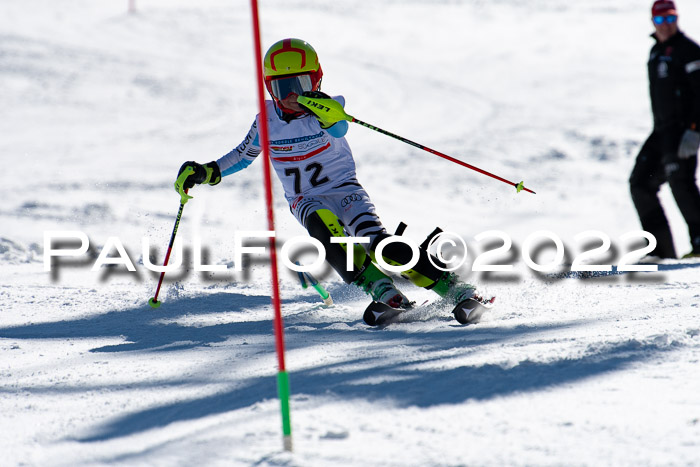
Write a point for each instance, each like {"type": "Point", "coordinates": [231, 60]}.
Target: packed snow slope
{"type": "Point", "coordinates": [99, 108]}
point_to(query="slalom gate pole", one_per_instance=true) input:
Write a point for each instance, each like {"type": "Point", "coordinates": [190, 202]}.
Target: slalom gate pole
{"type": "Point", "coordinates": [282, 376]}
{"type": "Point", "coordinates": [331, 111]}
{"type": "Point", "coordinates": [184, 197]}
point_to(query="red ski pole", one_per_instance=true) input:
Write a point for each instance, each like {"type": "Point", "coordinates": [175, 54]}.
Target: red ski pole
{"type": "Point", "coordinates": [331, 111]}
{"type": "Point", "coordinates": [184, 197]}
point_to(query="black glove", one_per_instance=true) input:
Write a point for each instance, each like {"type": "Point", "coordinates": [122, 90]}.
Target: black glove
{"type": "Point", "coordinates": [209, 174]}
{"type": "Point", "coordinates": [689, 144]}
{"type": "Point", "coordinates": [317, 95]}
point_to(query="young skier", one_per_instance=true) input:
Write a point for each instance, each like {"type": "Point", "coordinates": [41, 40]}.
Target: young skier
{"type": "Point", "coordinates": [317, 170]}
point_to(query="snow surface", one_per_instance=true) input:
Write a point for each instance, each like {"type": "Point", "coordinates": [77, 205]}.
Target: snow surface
{"type": "Point", "coordinates": [98, 110]}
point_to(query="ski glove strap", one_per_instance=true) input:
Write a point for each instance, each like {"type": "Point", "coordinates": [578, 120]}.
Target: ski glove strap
{"type": "Point", "coordinates": [213, 173]}
{"type": "Point", "coordinates": [689, 144]}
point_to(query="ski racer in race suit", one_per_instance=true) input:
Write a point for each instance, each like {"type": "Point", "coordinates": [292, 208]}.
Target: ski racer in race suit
{"type": "Point", "coordinates": [670, 153]}
{"type": "Point", "coordinates": [317, 170]}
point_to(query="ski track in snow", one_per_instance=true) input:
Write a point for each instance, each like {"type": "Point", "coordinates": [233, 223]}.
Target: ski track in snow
{"type": "Point", "coordinates": [100, 108]}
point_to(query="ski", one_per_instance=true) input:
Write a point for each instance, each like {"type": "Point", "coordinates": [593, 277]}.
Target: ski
{"type": "Point", "coordinates": [381, 314]}
{"type": "Point", "coordinates": [467, 311]}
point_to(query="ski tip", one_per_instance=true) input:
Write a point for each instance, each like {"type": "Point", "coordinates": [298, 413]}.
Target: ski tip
{"type": "Point", "coordinates": [380, 314]}
{"type": "Point", "coordinates": [154, 303]}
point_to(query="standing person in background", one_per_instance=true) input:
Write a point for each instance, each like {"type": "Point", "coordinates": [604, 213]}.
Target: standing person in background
{"type": "Point", "coordinates": [670, 154]}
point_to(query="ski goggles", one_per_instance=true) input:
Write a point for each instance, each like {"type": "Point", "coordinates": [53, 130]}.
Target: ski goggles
{"type": "Point", "coordinates": [283, 87]}
{"type": "Point", "coordinates": [670, 19]}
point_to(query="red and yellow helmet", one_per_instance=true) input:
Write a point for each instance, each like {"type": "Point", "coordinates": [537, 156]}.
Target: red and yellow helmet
{"type": "Point", "coordinates": [291, 66]}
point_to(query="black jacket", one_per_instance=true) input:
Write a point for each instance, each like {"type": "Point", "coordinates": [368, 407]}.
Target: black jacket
{"type": "Point", "coordinates": [674, 83]}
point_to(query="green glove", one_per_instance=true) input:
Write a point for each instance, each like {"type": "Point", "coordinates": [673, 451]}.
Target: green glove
{"type": "Point", "coordinates": [192, 173]}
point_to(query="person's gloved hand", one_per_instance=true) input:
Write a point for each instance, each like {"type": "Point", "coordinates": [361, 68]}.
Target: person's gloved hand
{"type": "Point", "coordinates": [192, 173]}
{"type": "Point", "coordinates": [318, 95]}
{"type": "Point", "coordinates": [690, 141]}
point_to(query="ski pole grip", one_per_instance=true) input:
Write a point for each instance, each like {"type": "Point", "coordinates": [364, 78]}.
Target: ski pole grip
{"type": "Point", "coordinates": [327, 110]}
{"type": "Point", "coordinates": [180, 183]}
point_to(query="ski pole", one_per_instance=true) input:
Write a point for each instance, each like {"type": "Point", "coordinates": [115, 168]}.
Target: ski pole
{"type": "Point", "coordinates": [325, 295]}
{"type": "Point", "coordinates": [184, 197]}
{"type": "Point", "coordinates": [330, 111]}
{"type": "Point", "coordinates": [307, 278]}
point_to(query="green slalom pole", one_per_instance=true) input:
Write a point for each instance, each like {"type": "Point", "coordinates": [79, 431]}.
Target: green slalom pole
{"type": "Point", "coordinates": [330, 111]}
{"type": "Point", "coordinates": [283, 393]}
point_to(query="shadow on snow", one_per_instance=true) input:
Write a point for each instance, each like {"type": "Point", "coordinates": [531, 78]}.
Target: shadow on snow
{"type": "Point", "coordinates": [143, 328]}
{"type": "Point", "coordinates": [372, 377]}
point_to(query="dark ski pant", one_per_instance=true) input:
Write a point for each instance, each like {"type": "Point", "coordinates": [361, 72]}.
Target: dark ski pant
{"type": "Point", "coordinates": [656, 164]}
{"type": "Point", "coordinates": [323, 225]}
